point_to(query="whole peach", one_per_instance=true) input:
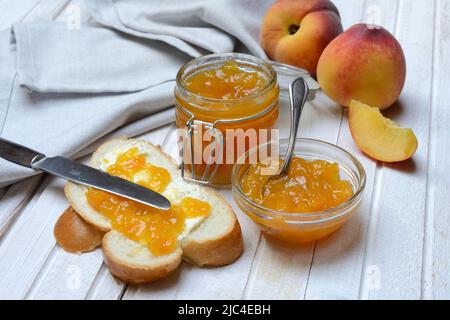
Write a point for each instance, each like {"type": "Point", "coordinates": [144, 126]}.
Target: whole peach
{"type": "Point", "coordinates": [297, 31]}
{"type": "Point", "coordinates": [365, 63]}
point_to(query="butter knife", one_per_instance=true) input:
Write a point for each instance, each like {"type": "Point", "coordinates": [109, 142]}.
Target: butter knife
{"type": "Point", "coordinates": [81, 174]}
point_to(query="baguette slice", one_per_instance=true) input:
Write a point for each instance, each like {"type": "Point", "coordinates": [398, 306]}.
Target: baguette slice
{"type": "Point", "coordinates": [214, 241]}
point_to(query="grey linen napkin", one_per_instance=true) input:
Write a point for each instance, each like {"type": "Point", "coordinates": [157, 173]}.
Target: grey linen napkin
{"type": "Point", "coordinates": [62, 89]}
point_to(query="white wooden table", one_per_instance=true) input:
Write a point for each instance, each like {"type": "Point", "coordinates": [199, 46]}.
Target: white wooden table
{"type": "Point", "coordinates": [396, 247]}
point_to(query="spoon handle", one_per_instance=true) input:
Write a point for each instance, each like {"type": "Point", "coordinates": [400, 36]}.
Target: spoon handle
{"type": "Point", "coordinates": [298, 93]}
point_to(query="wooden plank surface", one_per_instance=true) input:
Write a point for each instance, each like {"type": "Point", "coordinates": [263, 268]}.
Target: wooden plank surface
{"type": "Point", "coordinates": [436, 262]}
{"type": "Point", "coordinates": [396, 247]}
{"type": "Point", "coordinates": [222, 283]}
{"type": "Point", "coordinates": [14, 199]}
{"type": "Point", "coordinates": [29, 241]}
{"type": "Point", "coordinates": [277, 267]}
{"type": "Point", "coordinates": [338, 270]}
{"type": "Point", "coordinates": [66, 275]}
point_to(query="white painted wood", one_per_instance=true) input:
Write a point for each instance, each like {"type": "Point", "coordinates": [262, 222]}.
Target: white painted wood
{"type": "Point", "coordinates": [59, 274]}
{"type": "Point", "coordinates": [320, 120]}
{"type": "Point", "coordinates": [63, 275]}
{"type": "Point", "coordinates": [396, 243]}
{"type": "Point", "coordinates": [217, 283]}
{"type": "Point", "coordinates": [337, 266]}
{"type": "Point", "coordinates": [105, 286]}
{"type": "Point", "coordinates": [400, 233]}
{"type": "Point", "coordinates": [66, 275]}
{"type": "Point", "coordinates": [15, 199]}
{"type": "Point", "coordinates": [436, 275]}
{"type": "Point", "coordinates": [236, 277]}
{"type": "Point", "coordinates": [29, 241]}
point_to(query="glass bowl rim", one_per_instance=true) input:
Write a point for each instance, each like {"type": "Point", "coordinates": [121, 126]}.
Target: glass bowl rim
{"type": "Point", "coordinates": [270, 213]}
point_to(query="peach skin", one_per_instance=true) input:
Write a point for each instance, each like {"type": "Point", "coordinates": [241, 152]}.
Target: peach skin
{"type": "Point", "coordinates": [297, 31]}
{"type": "Point", "coordinates": [365, 63]}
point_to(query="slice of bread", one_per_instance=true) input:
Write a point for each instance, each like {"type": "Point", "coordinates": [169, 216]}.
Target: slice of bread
{"type": "Point", "coordinates": [74, 234]}
{"type": "Point", "coordinates": [213, 241]}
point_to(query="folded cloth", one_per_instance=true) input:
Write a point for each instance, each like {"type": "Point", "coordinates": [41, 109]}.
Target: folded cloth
{"type": "Point", "coordinates": [90, 60]}
{"type": "Point", "coordinates": [187, 25]}
{"type": "Point", "coordinates": [62, 89]}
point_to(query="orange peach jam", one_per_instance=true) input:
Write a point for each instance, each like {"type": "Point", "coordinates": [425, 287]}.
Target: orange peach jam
{"type": "Point", "coordinates": [158, 229]}
{"type": "Point", "coordinates": [309, 186]}
{"type": "Point", "coordinates": [229, 81]}
{"type": "Point", "coordinates": [228, 91]}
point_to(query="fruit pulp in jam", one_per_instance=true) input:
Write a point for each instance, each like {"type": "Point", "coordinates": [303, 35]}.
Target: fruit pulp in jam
{"type": "Point", "coordinates": [158, 229]}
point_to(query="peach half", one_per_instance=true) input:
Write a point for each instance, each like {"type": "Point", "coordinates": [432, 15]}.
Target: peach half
{"type": "Point", "coordinates": [379, 137]}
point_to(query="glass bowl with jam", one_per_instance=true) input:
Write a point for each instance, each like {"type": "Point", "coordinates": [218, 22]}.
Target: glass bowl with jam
{"type": "Point", "coordinates": [322, 189]}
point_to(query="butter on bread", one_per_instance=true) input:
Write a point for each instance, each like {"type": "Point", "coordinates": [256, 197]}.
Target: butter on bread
{"type": "Point", "coordinates": [214, 241]}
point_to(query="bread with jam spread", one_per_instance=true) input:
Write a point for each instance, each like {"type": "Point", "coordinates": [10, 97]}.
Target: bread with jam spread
{"type": "Point", "coordinates": [212, 239]}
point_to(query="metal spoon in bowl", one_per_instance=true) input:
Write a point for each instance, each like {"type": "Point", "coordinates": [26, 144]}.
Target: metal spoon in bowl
{"type": "Point", "coordinates": [298, 94]}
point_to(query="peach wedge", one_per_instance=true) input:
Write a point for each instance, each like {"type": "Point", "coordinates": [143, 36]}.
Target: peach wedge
{"type": "Point", "coordinates": [379, 137]}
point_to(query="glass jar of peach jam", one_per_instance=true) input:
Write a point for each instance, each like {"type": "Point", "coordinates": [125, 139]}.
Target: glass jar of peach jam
{"type": "Point", "coordinates": [224, 104]}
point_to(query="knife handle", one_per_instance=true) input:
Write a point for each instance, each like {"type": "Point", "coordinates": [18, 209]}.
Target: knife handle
{"type": "Point", "coordinates": [18, 154]}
